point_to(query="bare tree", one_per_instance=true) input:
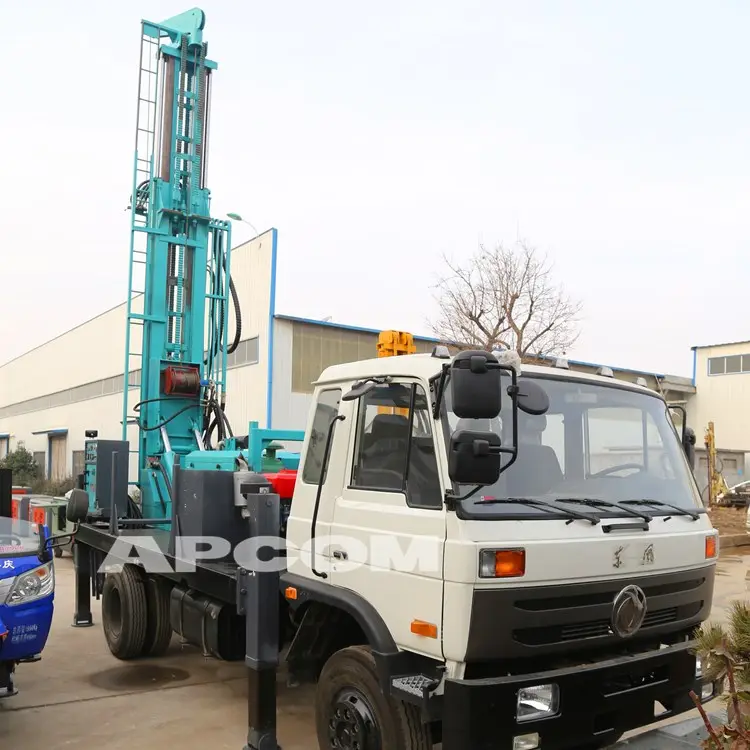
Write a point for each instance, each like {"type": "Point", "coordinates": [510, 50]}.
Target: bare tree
{"type": "Point", "coordinates": [506, 297]}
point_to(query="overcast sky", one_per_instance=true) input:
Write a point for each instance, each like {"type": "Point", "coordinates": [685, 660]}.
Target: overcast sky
{"type": "Point", "coordinates": [377, 136]}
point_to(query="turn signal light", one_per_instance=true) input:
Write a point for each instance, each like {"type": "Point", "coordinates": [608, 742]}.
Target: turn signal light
{"type": "Point", "coordinates": [502, 563]}
{"type": "Point", "coordinates": [291, 593]}
{"type": "Point", "coordinates": [425, 629]}
{"type": "Point", "coordinates": [712, 546]}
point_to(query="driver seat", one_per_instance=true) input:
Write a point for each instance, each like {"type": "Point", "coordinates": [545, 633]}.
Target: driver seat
{"type": "Point", "coordinates": [536, 470]}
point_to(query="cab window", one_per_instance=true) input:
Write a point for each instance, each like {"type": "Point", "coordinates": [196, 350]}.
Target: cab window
{"type": "Point", "coordinates": [325, 411]}
{"type": "Point", "coordinates": [395, 447]}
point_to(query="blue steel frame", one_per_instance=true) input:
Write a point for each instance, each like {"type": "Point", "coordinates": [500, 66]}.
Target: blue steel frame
{"type": "Point", "coordinates": [187, 257]}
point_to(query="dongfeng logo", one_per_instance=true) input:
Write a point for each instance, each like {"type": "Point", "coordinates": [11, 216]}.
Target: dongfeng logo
{"type": "Point", "coordinates": [628, 611]}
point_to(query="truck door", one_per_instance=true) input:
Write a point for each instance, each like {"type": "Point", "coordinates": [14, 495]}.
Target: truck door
{"type": "Point", "coordinates": [388, 531]}
{"type": "Point", "coordinates": [312, 473]}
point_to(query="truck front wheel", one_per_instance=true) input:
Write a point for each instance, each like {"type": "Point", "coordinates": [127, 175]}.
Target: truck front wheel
{"type": "Point", "coordinates": [351, 712]}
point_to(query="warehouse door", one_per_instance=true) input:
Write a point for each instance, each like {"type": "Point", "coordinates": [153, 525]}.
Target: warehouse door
{"type": "Point", "coordinates": [57, 456]}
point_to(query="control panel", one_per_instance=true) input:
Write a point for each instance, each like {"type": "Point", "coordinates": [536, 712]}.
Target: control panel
{"type": "Point", "coordinates": [105, 475]}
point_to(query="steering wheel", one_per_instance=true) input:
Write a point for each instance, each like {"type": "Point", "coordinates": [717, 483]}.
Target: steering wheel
{"type": "Point", "coordinates": [11, 540]}
{"type": "Point", "coordinates": [620, 467]}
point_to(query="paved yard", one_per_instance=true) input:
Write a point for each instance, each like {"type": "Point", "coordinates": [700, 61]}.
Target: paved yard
{"type": "Point", "coordinates": [79, 696]}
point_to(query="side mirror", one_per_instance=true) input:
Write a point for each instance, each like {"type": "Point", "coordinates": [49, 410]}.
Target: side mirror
{"type": "Point", "coordinates": [78, 506]}
{"type": "Point", "coordinates": [688, 444]}
{"type": "Point", "coordinates": [475, 385]}
{"type": "Point", "coordinates": [474, 457]}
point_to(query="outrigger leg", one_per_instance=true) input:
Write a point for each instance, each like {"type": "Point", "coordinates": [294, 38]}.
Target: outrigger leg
{"type": "Point", "coordinates": [82, 617]}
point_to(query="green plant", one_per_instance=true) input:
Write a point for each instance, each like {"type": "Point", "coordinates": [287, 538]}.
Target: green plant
{"type": "Point", "coordinates": [23, 467]}
{"type": "Point", "coordinates": [725, 655]}
{"type": "Point", "coordinates": [54, 487]}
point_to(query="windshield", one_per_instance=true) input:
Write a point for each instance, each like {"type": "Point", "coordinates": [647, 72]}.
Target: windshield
{"type": "Point", "coordinates": [596, 442]}
{"type": "Point", "coordinates": [17, 538]}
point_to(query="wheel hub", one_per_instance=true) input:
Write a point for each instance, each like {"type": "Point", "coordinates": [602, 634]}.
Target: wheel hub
{"type": "Point", "coordinates": [352, 724]}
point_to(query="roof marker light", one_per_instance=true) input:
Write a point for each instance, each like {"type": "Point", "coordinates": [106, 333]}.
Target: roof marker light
{"type": "Point", "coordinates": [562, 363]}
{"type": "Point", "coordinates": [641, 381]}
{"type": "Point", "coordinates": [605, 372]}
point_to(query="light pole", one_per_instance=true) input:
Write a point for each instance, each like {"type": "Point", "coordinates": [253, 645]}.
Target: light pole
{"type": "Point", "coordinates": [237, 217]}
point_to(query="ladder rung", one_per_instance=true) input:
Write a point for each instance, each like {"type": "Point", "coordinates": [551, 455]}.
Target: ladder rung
{"type": "Point", "coordinates": [150, 318]}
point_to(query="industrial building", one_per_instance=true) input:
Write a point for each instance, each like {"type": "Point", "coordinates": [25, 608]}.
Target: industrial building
{"type": "Point", "coordinates": [270, 376]}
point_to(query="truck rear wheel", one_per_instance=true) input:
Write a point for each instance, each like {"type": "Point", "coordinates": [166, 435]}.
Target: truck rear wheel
{"type": "Point", "coordinates": [124, 613]}
{"type": "Point", "coordinates": [158, 626]}
{"type": "Point", "coordinates": [351, 712]}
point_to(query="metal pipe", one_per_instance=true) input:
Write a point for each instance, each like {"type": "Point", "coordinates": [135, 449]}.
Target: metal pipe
{"type": "Point", "coordinates": [165, 439]}
{"type": "Point", "coordinates": [166, 127]}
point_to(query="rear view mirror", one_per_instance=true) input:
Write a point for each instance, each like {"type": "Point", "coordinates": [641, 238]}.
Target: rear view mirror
{"type": "Point", "coordinates": [78, 506]}
{"type": "Point", "coordinates": [474, 457]}
{"type": "Point", "coordinates": [532, 398]}
{"type": "Point", "coordinates": [688, 444]}
{"type": "Point", "coordinates": [475, 385]}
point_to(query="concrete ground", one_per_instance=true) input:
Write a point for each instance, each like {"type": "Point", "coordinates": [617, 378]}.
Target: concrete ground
{"type": "Point", "coordinates": [80, 696]}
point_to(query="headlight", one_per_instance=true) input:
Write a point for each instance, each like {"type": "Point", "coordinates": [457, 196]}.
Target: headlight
{"type": "Point", "coordinates": [31, 586]}
{"type": "Point", "coordinates": [537, 702]}
{"type": "Point", "coordinates": [698, 667]}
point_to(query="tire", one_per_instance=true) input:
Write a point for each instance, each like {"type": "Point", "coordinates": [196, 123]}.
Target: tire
{"type": "Point", "coordinates": [351, 710]}
{"type": "Point", "coordinates": [158, 626]}
{"type": "Point", "coordinates": [124, 613]}
{"type": "Point", "coordinates": [58, 552]}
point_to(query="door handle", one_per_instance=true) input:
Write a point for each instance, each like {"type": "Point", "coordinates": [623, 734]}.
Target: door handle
{"type": "Point", "coordinates": [339, 554]}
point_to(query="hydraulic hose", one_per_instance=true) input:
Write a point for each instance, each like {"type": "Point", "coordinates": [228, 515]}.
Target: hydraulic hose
{"type": "Point", "coordinates": [237, 318]}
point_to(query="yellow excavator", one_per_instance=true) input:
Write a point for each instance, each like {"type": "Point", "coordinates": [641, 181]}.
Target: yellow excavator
{"type": "Point", "coordinates": [717, 487]}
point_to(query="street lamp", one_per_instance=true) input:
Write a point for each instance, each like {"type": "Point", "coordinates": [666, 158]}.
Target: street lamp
{"type": "Point", "coordinates": [237, 217]}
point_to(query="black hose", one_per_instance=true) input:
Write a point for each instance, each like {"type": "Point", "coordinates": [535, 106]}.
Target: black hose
{"type": "Point", "coordinates": [237, 318]}
{"type": "Point", "coordinates": [226, 422]}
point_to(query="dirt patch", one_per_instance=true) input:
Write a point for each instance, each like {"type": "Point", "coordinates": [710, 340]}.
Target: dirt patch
{"type": "Point", "coordinates": [729, 520]}
{"type": "Point", "coordinates": [137, 677]}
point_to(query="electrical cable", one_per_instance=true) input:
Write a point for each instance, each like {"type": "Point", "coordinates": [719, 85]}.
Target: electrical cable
{"type": "Point", "coordinates": [166, 421]}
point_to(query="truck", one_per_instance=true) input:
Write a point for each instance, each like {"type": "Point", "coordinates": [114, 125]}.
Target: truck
{"type": "Point", "coordinates": [473, 552]}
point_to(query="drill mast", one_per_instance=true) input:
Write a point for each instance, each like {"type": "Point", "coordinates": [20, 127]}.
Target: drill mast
{"type": "Point", "coordinates": [179, 278]}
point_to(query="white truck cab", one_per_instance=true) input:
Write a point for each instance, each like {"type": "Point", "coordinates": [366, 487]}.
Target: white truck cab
{"type": "Point", "coordinates": [523, 550]}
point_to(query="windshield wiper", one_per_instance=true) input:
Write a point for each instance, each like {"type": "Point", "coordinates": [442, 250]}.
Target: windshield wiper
{"type": "Point", "coordinates": [659, 504]}
{"type": "Point", "coordinates": [593, 520]}
{"type": "Point", "coordinates": [593, 502]}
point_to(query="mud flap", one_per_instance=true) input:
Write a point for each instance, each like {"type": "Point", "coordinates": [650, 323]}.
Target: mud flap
{"type": "Point", "coordinates": [7, 689]}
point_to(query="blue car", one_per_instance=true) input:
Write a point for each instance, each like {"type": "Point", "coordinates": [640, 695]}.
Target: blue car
{"type": "Point", "coordinates": [27, 592]}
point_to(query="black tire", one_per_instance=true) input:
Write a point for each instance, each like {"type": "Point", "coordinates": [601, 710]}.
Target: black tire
{"type": "Point", "coordinates": [58, 552]}
{"type": "Point", "coordinates": [124, 613]}
{"type": "Point", "coordinates": [158, 626]}
{"type": "Point", "coordinates": [349, 682]}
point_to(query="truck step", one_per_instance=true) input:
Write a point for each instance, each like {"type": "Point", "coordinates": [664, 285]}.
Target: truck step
{"type": "Point", "coordinates": [413, 688]}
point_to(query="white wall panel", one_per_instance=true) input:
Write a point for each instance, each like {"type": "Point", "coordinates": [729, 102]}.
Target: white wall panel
{"type": "Point", "coordinates": [96, 350]}
{"type": "Point", "coordinates": [289, 409]}
{"type": "Point", "coordinates": [721, 399]}
{"type": "Point", "coordinates": [102, 414]}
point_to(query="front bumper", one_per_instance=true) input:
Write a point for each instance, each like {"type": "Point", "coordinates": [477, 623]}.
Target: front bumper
{"type": "Point", "coordinates": [28, 627]}
{"type": "Point", "coordinates": [597, 702]}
